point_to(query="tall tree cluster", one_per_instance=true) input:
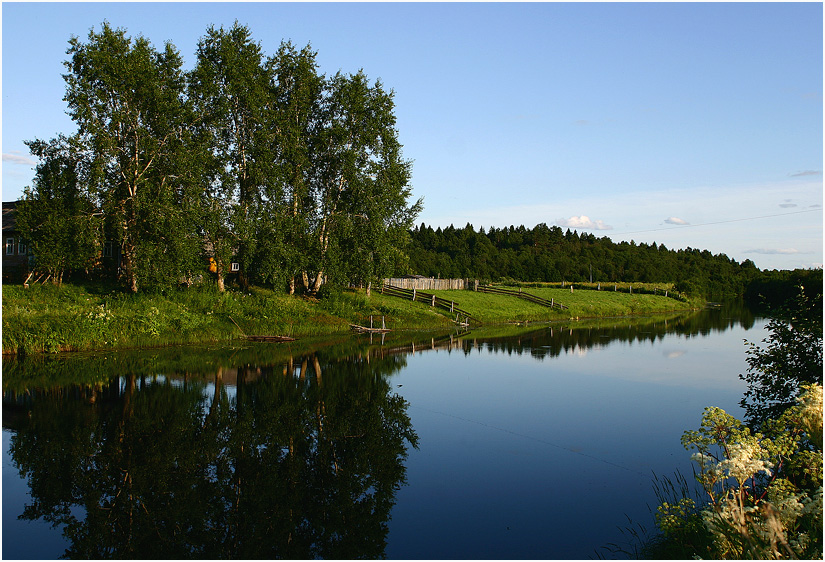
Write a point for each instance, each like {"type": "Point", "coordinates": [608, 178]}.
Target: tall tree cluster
{"type": "Point", "coordinates": [550, 254]}
{"type": "Point", "coordinates": [247, 158]}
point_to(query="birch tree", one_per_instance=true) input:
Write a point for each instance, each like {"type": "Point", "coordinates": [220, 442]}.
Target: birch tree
{"type": "Point", "coordinates": [127, 100]}
{"type": "Point", "coordinates": [297, 94]}
{"type": "Point", "coordinates": [362, 183]}
{"type": "Point", "coordinates": [230, 91]}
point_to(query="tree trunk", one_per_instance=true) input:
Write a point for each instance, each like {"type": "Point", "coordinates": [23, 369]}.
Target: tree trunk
{"type": "Point", "coordinates": [129, 266]}
{"type": "Point", "coordinates": [221, 284]}
{"type": "Point", "coordinates": [369, 288]}
{"type": "Point", "coordinates": [292, 285]}
{"type": "Point", "coordinates": [319, 280]}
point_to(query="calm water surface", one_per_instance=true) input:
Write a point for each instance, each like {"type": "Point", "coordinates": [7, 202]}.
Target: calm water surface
{"type": "Point", "coordinates": [529, 443]}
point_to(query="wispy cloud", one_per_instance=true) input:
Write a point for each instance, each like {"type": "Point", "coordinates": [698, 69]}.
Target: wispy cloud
{"type": "Point", "coordinates": [584, 222]}
{"type": "Point", "coordinates": [676, 220]}
{"type": "Point", "coordinates": [773, 251]}
{"type": "Point", "coordinates": [806, 173]}
{"type": "Point", "coordinates": [17, 158]}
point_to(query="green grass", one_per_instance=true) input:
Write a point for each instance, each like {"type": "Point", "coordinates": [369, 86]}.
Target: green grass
{"type": "Point", "coordinates": [97, 317]}
{"type": "Point", "coordinates": [492, 308]}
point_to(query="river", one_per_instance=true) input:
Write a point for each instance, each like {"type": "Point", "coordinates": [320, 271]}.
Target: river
{"type": "Point", "coordinates": [534, 442]}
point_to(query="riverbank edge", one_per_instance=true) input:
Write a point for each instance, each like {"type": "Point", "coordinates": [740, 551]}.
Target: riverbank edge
{"type": "Point", "coordinates": [50, 319]}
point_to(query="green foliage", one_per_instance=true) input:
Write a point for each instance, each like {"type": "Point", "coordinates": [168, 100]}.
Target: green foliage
{"type": "Point", "coordinates": [762, 482]}
{"type": "Point", "coordinates": [790, 358]}
{"type": "Point", "coordinates": [549, 254]}
{"type": "Point", "coordinates": [246, 159]}
{"type": "Point", "coordinates": [760, 505]}
{"type": "Point", "coordinates": [127, 100]}
{"type": "Point", "coordinates": [57, 216]}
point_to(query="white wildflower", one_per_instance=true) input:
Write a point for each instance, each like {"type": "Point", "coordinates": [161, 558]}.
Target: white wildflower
{"type": "Point", "coordinates": [746, 460]}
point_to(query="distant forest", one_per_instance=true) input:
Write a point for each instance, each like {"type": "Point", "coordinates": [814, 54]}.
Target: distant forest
{"type": "Point", "coordinates": [550, 254]}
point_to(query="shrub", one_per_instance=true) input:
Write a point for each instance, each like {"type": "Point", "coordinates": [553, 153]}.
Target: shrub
{"type": "Point", "coordinates": [764, 490]}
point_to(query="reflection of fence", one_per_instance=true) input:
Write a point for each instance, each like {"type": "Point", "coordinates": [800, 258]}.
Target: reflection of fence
{"type": "Point", "coordinates": [522, 295]}
{"type": "Point", "coordinates": [429, 283]}
{"type": "Point", "coordinates": [420, 296]}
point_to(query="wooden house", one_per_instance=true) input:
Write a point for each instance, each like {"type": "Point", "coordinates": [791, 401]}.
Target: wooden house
{"type": "Point", "coordinates": [16, 256]}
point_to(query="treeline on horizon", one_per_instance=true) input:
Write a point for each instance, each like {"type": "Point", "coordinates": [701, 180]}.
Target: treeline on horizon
{"type": "Point", "coordinates": [550, 254]}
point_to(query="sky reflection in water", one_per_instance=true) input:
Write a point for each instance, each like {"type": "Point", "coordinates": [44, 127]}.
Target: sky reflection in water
{"type": "Point", "coordinates": [526, 458]}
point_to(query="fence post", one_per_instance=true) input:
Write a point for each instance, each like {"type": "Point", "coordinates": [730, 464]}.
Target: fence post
{"type": "Point", "coordinates": [413, 294]}
{"type": "Point", "coordinates": [451, 306]}
{"type": "Point", "coordinates": [433, 304]}
{"type": "Point", "coordinates": [552, 303]}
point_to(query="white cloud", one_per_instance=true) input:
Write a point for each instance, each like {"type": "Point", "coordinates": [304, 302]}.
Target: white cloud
{"type": "Point", "coordinates": [676, 220]}
{"type": "Point", "coordinates": [583, 222]}
{"type": "Point", "coordinates": [17, 158]}
{"type": "Point", "coordinates": [807, 173]}
{"type": "Point", "coordinates": [773, 251]}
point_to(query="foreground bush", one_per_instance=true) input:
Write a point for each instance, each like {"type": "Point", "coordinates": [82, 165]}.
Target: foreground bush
{"type": "Point", "coordinates": [763, 490]}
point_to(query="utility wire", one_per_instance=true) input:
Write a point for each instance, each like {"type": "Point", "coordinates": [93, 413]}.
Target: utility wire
{"type": "Point", "coordinates": [674, 227]}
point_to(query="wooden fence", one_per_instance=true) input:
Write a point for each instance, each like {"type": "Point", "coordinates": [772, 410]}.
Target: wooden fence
{"type": "Point", "coordinates": [430, 283]}
{"type": "Point", "coordinates": [619, 287]}
{"type": "Point", "coordinates": [522, 295]}
{"type": "Point", "coordinates": [420, 296]}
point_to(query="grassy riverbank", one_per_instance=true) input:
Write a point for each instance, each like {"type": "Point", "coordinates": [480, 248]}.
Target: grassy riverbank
{"type": "Point", "coordinates": [73, 317]}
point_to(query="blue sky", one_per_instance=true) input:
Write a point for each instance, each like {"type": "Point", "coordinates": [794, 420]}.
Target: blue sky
{"type": "Point", "coordinates": [694, 125]}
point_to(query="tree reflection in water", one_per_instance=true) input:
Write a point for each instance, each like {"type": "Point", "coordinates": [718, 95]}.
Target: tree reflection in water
{"type": "Point", "coordinates": [298, 460]}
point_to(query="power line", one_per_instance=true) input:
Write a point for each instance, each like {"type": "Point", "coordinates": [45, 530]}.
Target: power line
{"type": "Point", "coordinates": [674, 227]}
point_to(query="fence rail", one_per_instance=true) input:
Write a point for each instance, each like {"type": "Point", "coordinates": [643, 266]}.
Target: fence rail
{"type": "Point", "coordinates": [522, 295]}
{"type": "Point", "coordinates": [619, 287]}
{"type": "Point", "coordinates": [420, 296]}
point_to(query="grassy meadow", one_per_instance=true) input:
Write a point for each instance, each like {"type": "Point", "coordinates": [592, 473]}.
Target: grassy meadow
{"type": "Point", "coordinates": [49, 318]}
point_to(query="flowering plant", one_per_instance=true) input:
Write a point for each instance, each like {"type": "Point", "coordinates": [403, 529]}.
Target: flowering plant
{"type": "Point", "coordinates": [763, 490]}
